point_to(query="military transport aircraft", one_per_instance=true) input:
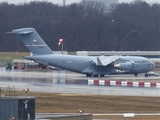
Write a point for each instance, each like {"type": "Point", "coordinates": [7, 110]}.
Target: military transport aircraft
{"type": "Point", "coordinates": [88, 65]}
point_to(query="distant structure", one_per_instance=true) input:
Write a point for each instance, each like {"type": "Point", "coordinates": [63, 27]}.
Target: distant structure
{"type": "Point", "coordinates": [13, 107]}
{"type": "Point", "coordinates": [64, 2]}
{"type": "Point", "coordinates": [106, 2]}
{"type": "Point", "coordinates": [137, 0]}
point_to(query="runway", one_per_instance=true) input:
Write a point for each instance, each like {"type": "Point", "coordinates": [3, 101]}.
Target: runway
{"type": "Point", "coordinates": [42, 115]}
{"type": "Point", "coordinates": [62, 81]}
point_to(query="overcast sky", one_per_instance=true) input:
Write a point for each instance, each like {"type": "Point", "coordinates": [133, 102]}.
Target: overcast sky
{"type": "Point", "coordinates": [69, 1]}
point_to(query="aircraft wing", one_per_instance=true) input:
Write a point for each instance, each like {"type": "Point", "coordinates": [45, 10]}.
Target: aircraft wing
{"type": "Point", "coordinates": [103, 61]}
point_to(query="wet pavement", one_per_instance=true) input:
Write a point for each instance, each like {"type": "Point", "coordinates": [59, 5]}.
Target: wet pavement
{"type": "Point", "coordinates": [61, 81]}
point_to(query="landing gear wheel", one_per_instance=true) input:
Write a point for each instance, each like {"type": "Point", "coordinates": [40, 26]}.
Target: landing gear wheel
{"type": "Point", "coordinates": [95, 75]}
{"type": "Point", "coordinates": [136, 75]}
{"type": "Point", "coordinates": [88, 75]}
{"type": "Point", "coordinates": [102, 75]}
{"type": "Point", "coordinates": [146, 75]}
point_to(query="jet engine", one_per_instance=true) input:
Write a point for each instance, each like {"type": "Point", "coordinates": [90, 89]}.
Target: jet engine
{"type": "Point", "coordinates": [123, 66]}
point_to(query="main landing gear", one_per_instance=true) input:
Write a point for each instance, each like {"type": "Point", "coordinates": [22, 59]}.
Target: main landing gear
{"type": "Point", "coordinates": [135, 74]}
{"type": "Point", "coordinates": [89, 75]}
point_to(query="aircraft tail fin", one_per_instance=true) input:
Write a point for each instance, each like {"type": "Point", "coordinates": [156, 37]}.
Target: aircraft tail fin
{"type": "Point", "coordinates": [32, 41]}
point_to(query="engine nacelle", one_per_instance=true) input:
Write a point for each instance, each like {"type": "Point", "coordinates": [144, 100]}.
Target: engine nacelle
{"type": "Point", "coordinates": [123, 66]}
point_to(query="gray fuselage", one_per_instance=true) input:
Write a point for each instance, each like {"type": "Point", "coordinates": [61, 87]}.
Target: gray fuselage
{"type": "Point", "coordinates": [84, 64]}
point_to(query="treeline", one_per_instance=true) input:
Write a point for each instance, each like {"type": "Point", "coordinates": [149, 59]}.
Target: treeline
{"type": "Point", "coordinates": [88, 26]}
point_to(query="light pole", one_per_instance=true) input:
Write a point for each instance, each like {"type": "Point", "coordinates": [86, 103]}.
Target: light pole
{"type": "Point", "coordinates": [26, 90]}
{"type": "Point", "coordinates": [59, 43]}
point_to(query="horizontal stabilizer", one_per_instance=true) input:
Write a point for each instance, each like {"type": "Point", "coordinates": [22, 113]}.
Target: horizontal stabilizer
{"type": "Point", "coordinates": [34, 58]}
{"type": "Point", "coordinates": [25, 32]}
{"type": "Point", "coordinates": [44, 63]}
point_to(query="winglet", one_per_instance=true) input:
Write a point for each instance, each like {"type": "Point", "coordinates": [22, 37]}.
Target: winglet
{"type": "Point", "coordinates": [99, 62]}
{"type": "Point", "coordinates": [23, 31]}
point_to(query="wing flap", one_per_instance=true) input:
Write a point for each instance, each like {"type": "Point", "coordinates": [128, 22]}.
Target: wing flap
{"type": "Point", "coordinates": [103, 61]}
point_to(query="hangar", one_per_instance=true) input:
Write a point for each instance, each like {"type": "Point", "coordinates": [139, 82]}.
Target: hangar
{"type": "Point", "coordinates": [152, 55]}
{"type": "Point", "coordinates": [147, 54]}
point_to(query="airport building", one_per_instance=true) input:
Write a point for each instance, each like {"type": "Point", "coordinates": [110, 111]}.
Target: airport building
{"type": "Point", "coordinates": [154, 56]}
{"type": "Point", "coordinates": [147, 54]}
{"type": "Point", "coordinates": [26, 64]}
{"type": "Point", "coordinates": [13, 107]}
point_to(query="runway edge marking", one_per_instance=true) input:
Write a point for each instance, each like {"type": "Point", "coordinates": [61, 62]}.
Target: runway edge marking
{"type": "Point", "coordinates": [124, 83]}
